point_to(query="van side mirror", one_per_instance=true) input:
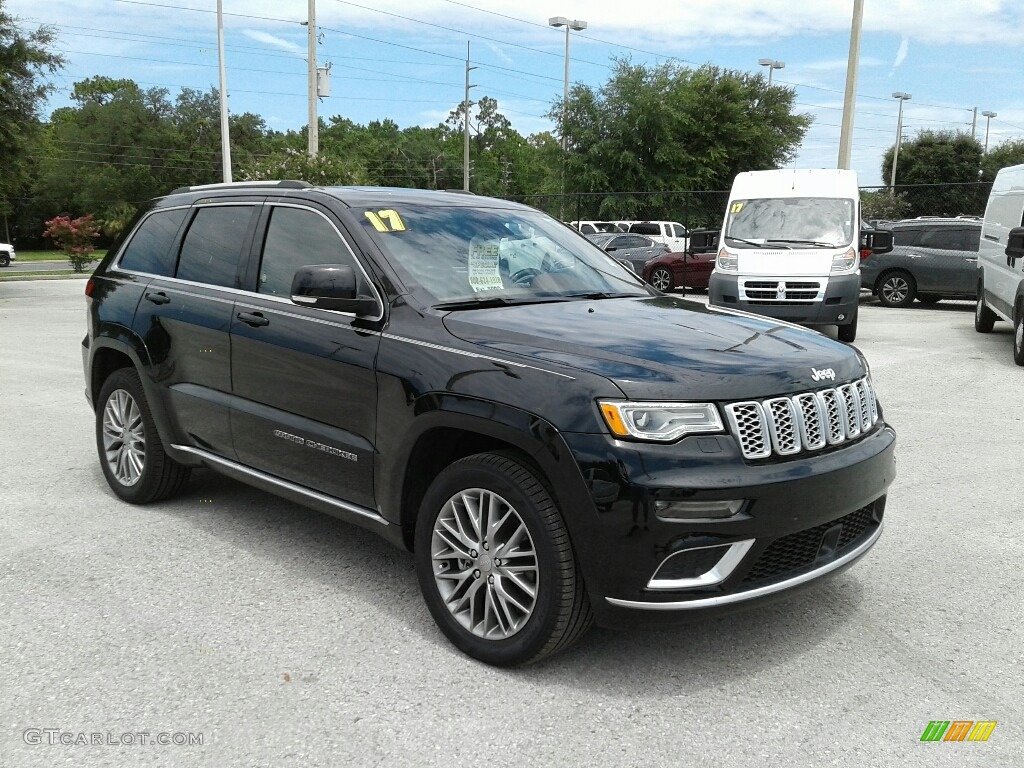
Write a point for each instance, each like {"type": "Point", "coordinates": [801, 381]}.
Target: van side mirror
{"type": "Point", "coordinates": [329, 286]}
{"type": "Point", "coordinates": [1015, 243]}
{"type": "Point", "coordinates": [704, 240]}
{"type": "Point", "coordinates": [876, 240]}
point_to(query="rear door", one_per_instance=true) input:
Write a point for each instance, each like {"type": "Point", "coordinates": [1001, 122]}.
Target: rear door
{"type": "Point", "coordinates": [305, 387]}
{"type": "Point", "coordinates": [943, 261]}
{"type": "Point", "coordinates": [185, 320]}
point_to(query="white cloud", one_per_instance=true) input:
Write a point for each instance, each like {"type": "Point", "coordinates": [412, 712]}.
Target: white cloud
{"type": "Point", "coordinates": [901, 54]}
{"type": "Point", "coordinates": [273, 40]}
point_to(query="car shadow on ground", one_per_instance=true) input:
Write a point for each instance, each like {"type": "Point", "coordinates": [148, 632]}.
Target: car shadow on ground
{"type": "Point", "coordinates": [357, 565]}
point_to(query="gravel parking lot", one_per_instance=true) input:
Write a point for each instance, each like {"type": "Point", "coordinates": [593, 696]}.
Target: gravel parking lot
{"type": "Point", "coordinates": [282, 637]}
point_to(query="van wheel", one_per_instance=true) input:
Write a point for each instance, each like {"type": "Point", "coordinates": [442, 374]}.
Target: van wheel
{"type": "Point", "coordinates": [131, 453]}
{"type": "Point", "coordinates": [1018, 337]}
{"type": "Point", "coordinates": [984, 318]}
{"type": "Point", "coordinates": [897, 289]}
{"type": "Point", "coordinates": [848, 332]}
{"type": "Point", "coordinates": [495, 563]}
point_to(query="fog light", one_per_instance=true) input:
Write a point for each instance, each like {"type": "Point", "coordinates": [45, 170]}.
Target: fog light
{"type": "Point", "coordinates": [696, 510]}
{"type": "Point", "coordinates": [840, 317]}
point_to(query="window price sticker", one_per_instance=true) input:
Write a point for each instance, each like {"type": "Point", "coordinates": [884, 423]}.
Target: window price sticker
{"type": "Point", "coordinates": [483, 265]}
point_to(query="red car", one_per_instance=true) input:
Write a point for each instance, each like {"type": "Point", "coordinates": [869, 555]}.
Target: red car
{"type": "Point", "coordinates": [689, 269]}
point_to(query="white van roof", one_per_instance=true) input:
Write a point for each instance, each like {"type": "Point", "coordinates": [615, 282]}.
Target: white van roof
{"type": "Point", "coordinates": [1008, 179]}
{"type": "Point", "coordinates": [790, 182]}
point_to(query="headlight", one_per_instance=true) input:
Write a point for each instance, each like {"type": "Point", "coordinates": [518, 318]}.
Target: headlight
{"type": "Point", "coordinates": [844, 262]}
{"type": "Point", "coordinates": [728, 262]}
{"type": "Point", "coordinates": [661, 422]}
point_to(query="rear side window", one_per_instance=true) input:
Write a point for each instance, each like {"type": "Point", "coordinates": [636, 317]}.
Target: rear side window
{"type": "Point", "coordinates": [945, 238]}
{"type": "Point", "coordinates": [149, 250]}
{"type": "Point", "coordinates": [906, 236]}
{"type": "Point", "coordinates": [646, 228]}
{"type": "Point", "coordinates": [588, 229]}
{"type": "Point", "coordinates": [296, 238]}
{"type": "Point", "coordinates": [973, 239]}
{"type": "Point", "coordinates": [213, 245]}
{"type": "Point", "coordinates": [634, 241]}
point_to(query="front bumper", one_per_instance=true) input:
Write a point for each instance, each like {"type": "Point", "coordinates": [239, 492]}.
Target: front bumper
{"type": "Point", "coordinates": [841, 298]}
{"type": "Point", "coordinates": [800, 519]}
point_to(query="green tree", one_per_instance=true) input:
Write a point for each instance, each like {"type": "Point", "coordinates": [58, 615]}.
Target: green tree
{"type": "Point", "coordinates": [1009, 152]}
{"type": "Point", "coordinates": [938, 174]}
{"type": "Point", "coordinates": [26, 60]}
{"type": "Point", "coordinates": [667, 128]}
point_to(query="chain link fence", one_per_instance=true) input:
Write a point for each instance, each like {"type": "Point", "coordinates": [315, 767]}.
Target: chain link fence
{"type": "Point", "coordinates": [696, 209]}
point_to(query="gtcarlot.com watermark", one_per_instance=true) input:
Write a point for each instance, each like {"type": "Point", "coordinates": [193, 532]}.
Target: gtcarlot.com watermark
{"type": "Point", "coordinates": [58, 736]}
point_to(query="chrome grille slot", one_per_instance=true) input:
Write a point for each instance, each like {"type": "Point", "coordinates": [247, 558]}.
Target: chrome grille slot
{"type": "Point", "coordinates": [808, 421]}
{"type": "Point", "coordinates": [808, 411]}
{"type": "Point", "coordinates": [750, 427]}
{"type": "Point", "coordinates": [782, 425]}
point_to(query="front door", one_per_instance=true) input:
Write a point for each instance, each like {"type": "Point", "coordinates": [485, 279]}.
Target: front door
{"type": "Point", "coordinates": [305, 388]}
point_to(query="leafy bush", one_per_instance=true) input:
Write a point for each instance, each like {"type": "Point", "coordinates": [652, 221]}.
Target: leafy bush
{"type": "Point", "coordinates": [74, 237]}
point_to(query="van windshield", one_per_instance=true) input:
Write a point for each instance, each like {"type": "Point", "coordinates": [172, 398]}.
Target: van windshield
{"type": "Point", "coordinates": [796, 221]}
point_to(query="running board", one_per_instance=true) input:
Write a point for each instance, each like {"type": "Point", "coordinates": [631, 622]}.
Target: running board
{"type": "Point", "coordinates": [248, 473]}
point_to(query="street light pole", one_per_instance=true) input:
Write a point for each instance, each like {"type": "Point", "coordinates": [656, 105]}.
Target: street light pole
{"type": "Point", "coordinates": [574, 24]}
{"type": "Point", "coordinates": [899, 136]}
{"type": "Point", "coordinates": [850, 96]}
{"type": "Point", "coordinates": [225, 134]}
{"type": "Point", "coordinates": [772, 65]}
{"type": "Point", "coordinates": [988, 119]}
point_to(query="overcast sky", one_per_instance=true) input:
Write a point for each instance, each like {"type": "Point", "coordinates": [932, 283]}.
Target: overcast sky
{"type": "Point", "coordinates": [405, 60]}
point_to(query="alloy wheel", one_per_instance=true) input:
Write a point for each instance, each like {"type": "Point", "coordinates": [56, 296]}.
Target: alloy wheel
{"type": "Point", "coordinates": [124, 438]}
{"type": "Point", "coordinates": [661, 280]}
{"type": "Point", "coordinates": [485, 564]}
{"type": "Point", "coordinates": [895, 290]}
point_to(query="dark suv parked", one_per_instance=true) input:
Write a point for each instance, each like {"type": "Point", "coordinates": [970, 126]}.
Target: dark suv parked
{"type": "Point", "coordinates": [474, 381]}
{"type": "Point", "coordinates": [931, 259]}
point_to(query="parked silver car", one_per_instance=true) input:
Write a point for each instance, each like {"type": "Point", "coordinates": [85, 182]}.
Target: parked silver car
{"type": "Point", "coordinates": [636, 250]}
{"type": "Point", "coordinates": [931, 259]}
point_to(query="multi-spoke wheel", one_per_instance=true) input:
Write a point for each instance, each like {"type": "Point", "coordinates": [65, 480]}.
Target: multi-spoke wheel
{"type": "Point", "coordinates": [131, 454]}
{"type": "Point", "coordinates": [897, 289]}
{"type": "Point", "coordinates": [495, 563]}
{"type": "Point", "coordinates": [661, 278]}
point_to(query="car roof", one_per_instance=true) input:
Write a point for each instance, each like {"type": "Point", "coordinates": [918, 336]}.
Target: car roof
{"type": "Point", "coordinates": [937, 221]}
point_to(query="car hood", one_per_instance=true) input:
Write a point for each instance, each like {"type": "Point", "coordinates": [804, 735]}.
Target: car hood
{"type": "Point", "coordinates": [664, 347]}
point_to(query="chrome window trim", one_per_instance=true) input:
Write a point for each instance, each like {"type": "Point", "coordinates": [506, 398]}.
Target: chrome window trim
{"type": "Point", "coordinates": [738, 597]}
{"type": "Point", "coordinates": [295, 488]}
{"type": "Point", "coordinates": [238, 291]}
{"type": "Point", "coordinates": [718, 573]}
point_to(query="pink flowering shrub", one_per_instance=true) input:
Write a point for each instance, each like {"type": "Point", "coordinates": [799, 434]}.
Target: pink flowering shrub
{"type": "Point", "coordinates": [74, 237]}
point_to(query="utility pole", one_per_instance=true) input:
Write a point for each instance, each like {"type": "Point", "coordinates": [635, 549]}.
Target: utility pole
{"type": "Point", "coordinates": [974, 124]}
{"type": "Point", "coordinates": [314, 121]}
{"type": "Point", "coordinates": [850, 99]}
{"type": "Point", "coordinates": [225, 135]}
{"type": "Point", "coordinates": [465, 140]}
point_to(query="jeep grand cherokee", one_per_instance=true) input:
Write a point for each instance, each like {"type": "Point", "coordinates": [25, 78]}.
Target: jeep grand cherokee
{"type": "Point", "coordinates": [556, 442]}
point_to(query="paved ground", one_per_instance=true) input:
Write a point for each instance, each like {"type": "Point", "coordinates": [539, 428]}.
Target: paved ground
{"type": "Point", "coordinates": [287, 638]}
{"type": "Point", "coordinates": [35, 266]}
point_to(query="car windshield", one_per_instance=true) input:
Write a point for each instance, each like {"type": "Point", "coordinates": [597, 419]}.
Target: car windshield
{"type": "Point", "coordinates": [793, 221]}
{"type": "Point", "coordinates": [492, 255]}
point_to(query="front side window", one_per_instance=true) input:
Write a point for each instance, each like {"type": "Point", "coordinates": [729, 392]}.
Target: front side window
{"type": "Point", "coordinates": [465, 254]}
{"type": "Point", "coordinates": [213, 245]}
{"type": "Point", "coordinates": [149, 250]}
{"type": "Point", "coordinates": [798, 221]}
{"type": "Point", "coordinates": [297, 238]}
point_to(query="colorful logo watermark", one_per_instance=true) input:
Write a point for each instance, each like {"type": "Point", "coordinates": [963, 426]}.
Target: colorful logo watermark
{"type": "Point", "coordinates": [958, 730]}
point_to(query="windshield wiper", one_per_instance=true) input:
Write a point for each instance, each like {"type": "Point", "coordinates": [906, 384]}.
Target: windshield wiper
{"type": "Point", "coordinates": [815, 243]}
{"type": "Point", "coordinates": [602, 295]}
{"type": "Point", "coordinates": [746, 242]}
{"type": "Point", "coordinates": [481, 302]}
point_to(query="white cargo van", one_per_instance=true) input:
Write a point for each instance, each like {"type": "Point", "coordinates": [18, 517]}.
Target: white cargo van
{"type": "Point", "coordinates": [790, 247]}
{"type": "Point", "coordinates": [1001, 258]}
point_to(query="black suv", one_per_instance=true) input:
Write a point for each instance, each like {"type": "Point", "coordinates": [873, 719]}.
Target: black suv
{"type": "Point", "coordinates": [556, 442]}
{"type": "Point", "coordinates": [932, 259]}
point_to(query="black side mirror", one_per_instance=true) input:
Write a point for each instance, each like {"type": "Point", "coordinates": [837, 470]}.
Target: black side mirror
{"type": "Point", "coordinates": [1015, 243]}
{"type": "Point", "coordinates": [329, 286]}
{"type": "Point", "coordinates": [876, 240]}
{"type": "Point", "coordinates": [704, 240]}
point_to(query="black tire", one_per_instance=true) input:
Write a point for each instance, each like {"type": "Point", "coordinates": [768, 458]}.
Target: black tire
{"type": "Point", "coordinates": [559, 612]}
{"type": "Point", "coordinates": [896, 289]}
{"type": "Point", "coordinates": [159, 477]}
{"type": "Point", "coordinates": [5, 259]}
{"type": "Point", "coordinates": [1018, 336]}
{"type": "Point", "coordinates": [848, 332]}
{"type": "Point", "coordinates": [984, 318]}
{"type": "Point", "coordinates": [929, 298]}
{"type": "Point", "coordinates": [661, 278]}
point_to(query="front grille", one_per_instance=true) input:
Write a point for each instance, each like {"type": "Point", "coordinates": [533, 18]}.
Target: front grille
{"type": "Point", "coordinates": [786, 426]}
{"type": "Point", "coordinates": [800, 550]}
{"type": "Point", "coordinates": [780, 291]}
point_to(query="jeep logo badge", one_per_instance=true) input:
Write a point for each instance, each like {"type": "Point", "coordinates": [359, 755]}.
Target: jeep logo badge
{"type": "Point", "coordinates": [823, 373]}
